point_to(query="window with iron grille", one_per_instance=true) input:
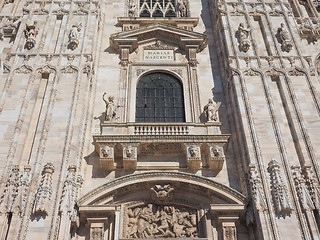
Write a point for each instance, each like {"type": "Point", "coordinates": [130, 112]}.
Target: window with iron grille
{"type": "Point", "coordinates": [159, 99]}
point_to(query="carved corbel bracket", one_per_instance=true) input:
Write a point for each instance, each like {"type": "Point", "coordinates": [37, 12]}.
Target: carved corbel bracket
{"type": "Point", "coordinates": [130, 156]}
{"type": "Point", "coordinates": [193, 156]}
{"type": "Point", "coordinates": [216, 156]}
{"type": "Point", "coordinates": [106, 153]}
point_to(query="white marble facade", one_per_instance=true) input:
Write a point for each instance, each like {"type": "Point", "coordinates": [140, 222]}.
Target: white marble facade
{"type": "Point", "coordinates": [77, 164]}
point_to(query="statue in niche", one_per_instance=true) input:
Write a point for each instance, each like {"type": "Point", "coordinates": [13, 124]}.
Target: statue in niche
{"type": "Point", "coordinates": [182, 8]}
{"type": "Point", "coordinates": [74, 36]}
{"type": "Point", "coordinates": [132, 8]}
{"type": "Point", "coordinates": [110, 107]}
{"type": "Point", "coordinates": [211, 110]}
{"type": "Point", "coordinates": [243, 36]}
{"type": "Point", "coordinates": [31, 32]}
{"type": "Point", "coordinates": [286, 43]}
{"type": "Point", "coordinates": [161, 221]}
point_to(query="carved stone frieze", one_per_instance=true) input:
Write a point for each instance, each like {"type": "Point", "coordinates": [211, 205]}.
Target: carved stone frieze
{"type": "Point", "coordinates": [159, 46]}
{"type": "Point", "coordinates": [279, 191]}
{"type": "Point", "coordinates": [44, 192]}
{"type": "Point", "coordinates": [161, 221]}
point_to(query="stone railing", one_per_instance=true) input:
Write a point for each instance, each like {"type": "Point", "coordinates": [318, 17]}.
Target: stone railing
{"type": "Point", "coordinates": [161, 130]}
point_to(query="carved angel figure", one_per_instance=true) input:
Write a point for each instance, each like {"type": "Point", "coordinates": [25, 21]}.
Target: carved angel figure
{"type": "Point", "coordinates": [211, 110]}
{"type": "Point", "coordinates": [243, 34]}
{"type": "Point", "coordinates": [110, 107]}
{"type": "Point", "coordinates": [132, 8]}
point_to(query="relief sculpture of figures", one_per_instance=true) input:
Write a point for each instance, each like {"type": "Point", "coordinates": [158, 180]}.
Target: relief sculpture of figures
{"type": "Point", "coordinates": [243, 36]}
{"type": "Point", "coordinates": [74, 36]}
{"type": "Point", "coordinates": [132, 8]}
{"type": "Point", "coordinates": [31, 32]}
{"type": "Point", "coordinates": [286, 43]}
{"type": "Point", "coordinates": [110, 107]}
{"type": "Point", "coordinates": [211, 110]}
{"type": "Point", "coordinates": [161, 221]}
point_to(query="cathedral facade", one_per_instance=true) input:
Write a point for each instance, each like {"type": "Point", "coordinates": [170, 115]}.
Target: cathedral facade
{"type": "Point", "coordinates": [160, 119]}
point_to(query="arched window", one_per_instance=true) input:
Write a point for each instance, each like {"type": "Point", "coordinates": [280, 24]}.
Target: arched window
{"type": "Point", "coordinates": [159, 99]}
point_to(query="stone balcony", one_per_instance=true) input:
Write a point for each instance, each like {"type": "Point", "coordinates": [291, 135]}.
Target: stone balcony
{"type": "Point", "coordinates": [150, 146]}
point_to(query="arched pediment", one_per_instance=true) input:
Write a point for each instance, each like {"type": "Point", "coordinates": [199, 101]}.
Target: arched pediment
{"type": "Point", "coordinates": [183, 38]}
{"type": "Point", "coordinates": [184, 184]}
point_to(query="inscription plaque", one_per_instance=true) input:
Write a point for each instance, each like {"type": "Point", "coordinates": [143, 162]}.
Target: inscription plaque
{"type": "Point", "coordinates": [158, 55]}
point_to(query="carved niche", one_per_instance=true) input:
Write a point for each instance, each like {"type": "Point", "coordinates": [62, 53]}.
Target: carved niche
{"type": "Point", "coordinates": [160, 221]}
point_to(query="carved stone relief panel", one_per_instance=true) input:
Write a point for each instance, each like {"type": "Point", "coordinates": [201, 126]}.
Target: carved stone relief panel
{"type": "Point", "coordinates": [193, 156]}
{"type": "Point", "coordinates": [107, 156]}
{"type": "Point", "coordinates": [160, 221]}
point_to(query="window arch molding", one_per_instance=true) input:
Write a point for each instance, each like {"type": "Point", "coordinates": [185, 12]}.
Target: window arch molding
{"type": "Point", "coordinates": [159, 98]}
{"type": "Point", "coordinates": [184, 80]}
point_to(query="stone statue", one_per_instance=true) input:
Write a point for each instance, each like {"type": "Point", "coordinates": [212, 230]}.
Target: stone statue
{"type": "Point", "coordinates": [132, 8]}
{"type": "Point", "coordinates": [182, 8]}
{"type": "Point", "coordinates": [110, 107]}
{"type": "Point", "coordinates": [286, 43]}
{"type": "Point", "coordinates": [74, 36]}
{"type": "Point", "coordinates": [31, 32]}
{"type": "Point", "coordinates": [243, 34]}
{"type": "Point", "coordinates": [211, 110]}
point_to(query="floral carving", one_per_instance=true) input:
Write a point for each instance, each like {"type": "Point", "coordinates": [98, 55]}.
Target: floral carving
{"type": "Point", "coordinates": [44, 193]}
